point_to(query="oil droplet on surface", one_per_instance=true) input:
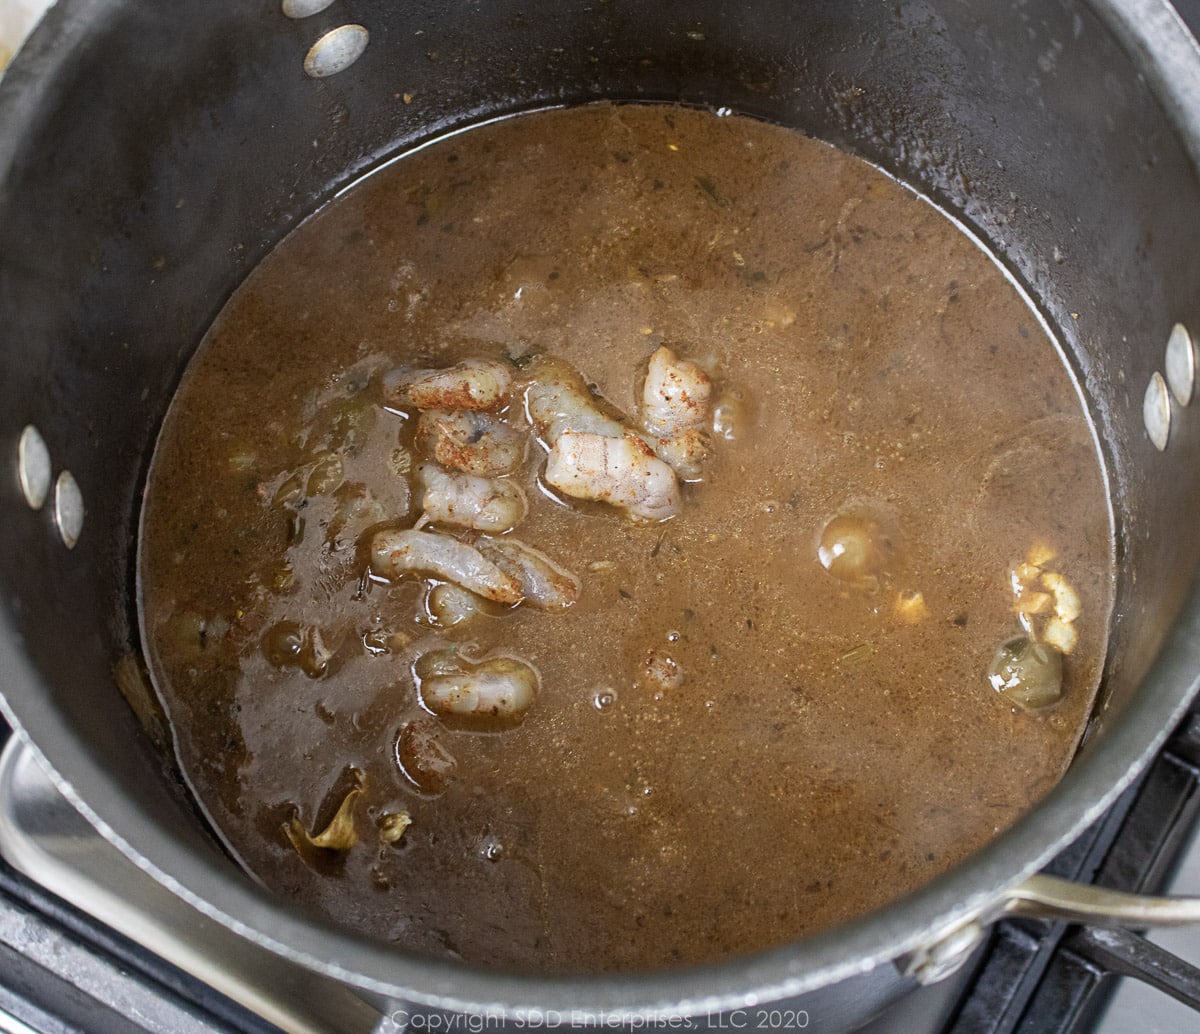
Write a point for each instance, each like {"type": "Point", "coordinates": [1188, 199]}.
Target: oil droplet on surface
{"type": "Point", "coordinates": [491, 848]}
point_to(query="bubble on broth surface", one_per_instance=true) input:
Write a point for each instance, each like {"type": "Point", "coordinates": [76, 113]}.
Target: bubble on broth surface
{"type": "Point", "coordinates": [859, 547]}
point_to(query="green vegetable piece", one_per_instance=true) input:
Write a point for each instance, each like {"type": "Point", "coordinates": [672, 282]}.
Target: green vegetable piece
{"type": "Point", "coordinates": [1027, 673]}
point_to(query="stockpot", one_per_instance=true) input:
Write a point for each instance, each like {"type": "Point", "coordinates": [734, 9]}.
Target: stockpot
{"type": "Point", "coordinates": [152, 152]}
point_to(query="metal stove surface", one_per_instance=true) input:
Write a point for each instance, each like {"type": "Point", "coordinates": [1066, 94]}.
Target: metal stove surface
{"type": "Point", "coordinates": [88, 940]}
{"type": "Point", "coordinates": [1135, 1006]}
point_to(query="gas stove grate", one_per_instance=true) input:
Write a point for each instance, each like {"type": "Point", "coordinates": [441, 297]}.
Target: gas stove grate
{"type": "Point", "coordinates": [1043, 977]}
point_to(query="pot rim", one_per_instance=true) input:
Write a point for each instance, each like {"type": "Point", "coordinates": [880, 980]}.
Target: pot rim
{"type": "Point", "coordinates": [969, 890]}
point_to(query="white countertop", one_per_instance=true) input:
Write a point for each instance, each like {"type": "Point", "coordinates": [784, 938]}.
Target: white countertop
{"type": "Point", "coordinates": [17, 18]}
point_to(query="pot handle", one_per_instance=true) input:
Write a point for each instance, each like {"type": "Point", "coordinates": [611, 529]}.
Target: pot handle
{"type": "Point", "coordinates": [1048, 897]}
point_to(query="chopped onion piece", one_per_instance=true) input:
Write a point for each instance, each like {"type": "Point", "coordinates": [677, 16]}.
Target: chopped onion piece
{"type": "Point", "coordinates": [339, 835]}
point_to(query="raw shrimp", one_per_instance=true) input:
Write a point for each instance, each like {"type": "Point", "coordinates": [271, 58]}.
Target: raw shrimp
{"type": "Point", "coordinates": [685, 453]}
{"type": "Point", "coordinates": [448, 605]}
{"type": "Point", "coordinates": [475, 384]}
{"type": "Point", "coordinates": [621, 471]}
{"type": "Point", "coordinates": [676, 409]}
{"type": "Point", "coordinates": [676, 395]}
{"type": "Point", "coordinates": [543, 583]}
{"type": "Point", "coordinates": [558, 400]}
{"type": "Point", "coordinates": [500, 688]}
{"type": "Point", "coordinates": [592, 454]}
{"type": "Point", "coordinates": [396, 553]}
{"type": "Point", "coordinates": [466, 501]}
{"type": "Point", "coordinates": [474, 443]}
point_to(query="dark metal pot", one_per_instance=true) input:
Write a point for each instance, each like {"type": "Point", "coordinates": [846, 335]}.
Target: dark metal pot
{"type": "Point", "coordinates": [151, 153]}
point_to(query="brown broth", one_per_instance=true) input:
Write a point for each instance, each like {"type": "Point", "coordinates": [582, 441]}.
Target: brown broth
{"type": "Point", "coordinates": [822, 756]}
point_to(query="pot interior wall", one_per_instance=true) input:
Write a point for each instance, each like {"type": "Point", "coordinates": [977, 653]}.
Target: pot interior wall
{"type": "Point", "coordinates": [151, 153]}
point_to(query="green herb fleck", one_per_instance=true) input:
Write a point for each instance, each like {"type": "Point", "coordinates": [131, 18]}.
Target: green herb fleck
{"type": "Point", "coordinates": [710, 188]}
